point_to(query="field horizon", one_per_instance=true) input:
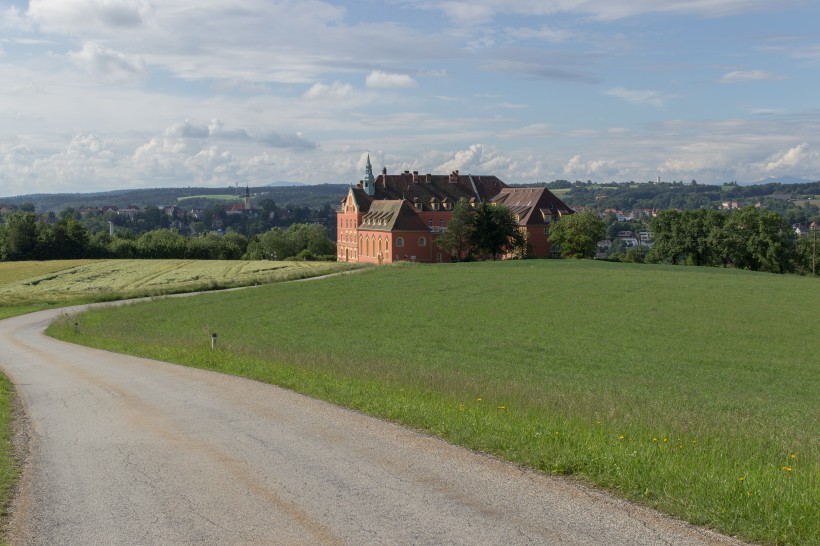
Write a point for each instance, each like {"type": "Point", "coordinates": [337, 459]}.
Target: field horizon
{"type": "Point", "coordinates": [691, 390]}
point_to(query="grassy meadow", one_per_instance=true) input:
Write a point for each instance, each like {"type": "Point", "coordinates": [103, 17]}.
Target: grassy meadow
{"type": "Point", "coordinates": [692, 390]}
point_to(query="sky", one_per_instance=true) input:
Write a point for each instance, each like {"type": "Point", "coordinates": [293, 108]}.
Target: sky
{"type": "Point", "coordinates": [100, 95]}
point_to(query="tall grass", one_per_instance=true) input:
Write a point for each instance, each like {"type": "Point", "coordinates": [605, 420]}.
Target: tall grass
{"type": "Point", "coordinates": [31, 286]}
{"type": "Point", "coordinates": [696, 391]}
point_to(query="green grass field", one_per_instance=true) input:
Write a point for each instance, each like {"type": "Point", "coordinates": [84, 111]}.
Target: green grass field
{"type": "Point", "coordinates": [693, 390]}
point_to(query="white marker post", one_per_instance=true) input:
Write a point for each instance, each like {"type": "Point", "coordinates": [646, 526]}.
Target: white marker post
{"type": "Point", "coordinates": [213, 341]}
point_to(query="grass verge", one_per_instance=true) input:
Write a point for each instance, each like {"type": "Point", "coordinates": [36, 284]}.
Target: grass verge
{"type": "Point", "coordinates": [695, 391]}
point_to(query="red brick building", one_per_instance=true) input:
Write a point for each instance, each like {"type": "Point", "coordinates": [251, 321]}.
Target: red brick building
{"type": "Point", "coordinates": [398, 217]}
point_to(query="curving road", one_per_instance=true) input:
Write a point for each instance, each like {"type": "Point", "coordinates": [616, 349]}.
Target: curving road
{"type": "Point", "coordinates": [125, 450]}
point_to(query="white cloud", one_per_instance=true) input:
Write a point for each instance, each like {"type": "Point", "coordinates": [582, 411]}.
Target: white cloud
{"type": "Point", "coordinates": [639, 96]}
{"type": "Point", "coordinates": [599, 169]}
{"type": "Point", "coordinates": [12, 19]}
{"type": "Point", "coordinates": [334, 91]}
{"type": "Point", "coordinates": [78, 16]}
{"type": "Point", "coordinates": [477, 12]}
{"type": "Point", "coordinates": [383, 80]}
{"type": "Point", "coordinates": [792, 158]}
{"type": "Point", "coordinates": [544, 33]}
{"type": "Point", "coordinates": [748, 76]}
{"type": "Point", "coordinates": [107, 63]}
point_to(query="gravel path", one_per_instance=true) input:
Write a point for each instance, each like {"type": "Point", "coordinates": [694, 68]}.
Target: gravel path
{"type": "Point", "coordinates": [125, 450]}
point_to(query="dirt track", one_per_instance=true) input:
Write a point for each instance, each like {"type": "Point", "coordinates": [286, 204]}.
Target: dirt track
{"type": "Point", "coordinates": [132, 451]}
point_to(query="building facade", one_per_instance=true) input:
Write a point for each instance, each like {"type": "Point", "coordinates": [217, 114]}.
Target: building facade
{"type": "Point", "coordinates": [389, 218]}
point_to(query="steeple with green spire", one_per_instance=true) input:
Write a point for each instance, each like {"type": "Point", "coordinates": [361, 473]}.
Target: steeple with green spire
{"type": "Point", "coordinates": [369, 181]}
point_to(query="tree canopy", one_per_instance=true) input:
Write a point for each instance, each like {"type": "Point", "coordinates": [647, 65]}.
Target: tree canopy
{"type": "Point", "coordinates": [578, 234]}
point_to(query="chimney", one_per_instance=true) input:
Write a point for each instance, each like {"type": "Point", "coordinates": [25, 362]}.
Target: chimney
{"type": "Point", "coordinates": [415, 177]}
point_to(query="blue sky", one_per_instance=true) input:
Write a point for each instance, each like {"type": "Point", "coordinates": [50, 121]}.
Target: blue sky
{"type": "Point", "coordinates": [112, 94]}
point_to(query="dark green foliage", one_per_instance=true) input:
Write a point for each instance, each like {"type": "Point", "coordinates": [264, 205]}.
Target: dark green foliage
{"type": "Point", "coordinates": [19, 237]}
{"type": "Point", "coordinates": [306, 240]}
{"type": "Point", "coordinates": [456, 239]}
{"type": "Point", "coordinates": [749, 238]}
{"type": "Point", "coordinates": [495, 231]}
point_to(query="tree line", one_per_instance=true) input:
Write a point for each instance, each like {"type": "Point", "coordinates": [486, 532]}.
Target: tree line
{"type": "Point", "coordinates": [25, 236]}
{"type": "Point", "coordinates": [749, 238]}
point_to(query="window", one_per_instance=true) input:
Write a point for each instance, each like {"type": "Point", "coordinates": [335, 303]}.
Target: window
{"type": "Point", "coordinates": [399, 242]}
{"type": "Point", "coordinates": [422, 241]}
{"type": "Point", "coordinates": [546, 231]}
{"type": "Point", "coordinates": [430, 223]}
{"type": "Point", "coordinates": [441, 223]}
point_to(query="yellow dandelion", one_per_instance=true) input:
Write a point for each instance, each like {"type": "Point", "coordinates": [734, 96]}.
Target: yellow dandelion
{"type": "Point", "coordinates": [742, 478]}
{"type": "Point", "coordinates": [478, 399]}
{"type": "Point", "coordinates": [501, 408]}
{"type": "Point", "coordinates": [621, 437]}
{"type": "Point", "coordinates": [787, 468]}
{"type": "Point", "coordinates": [793, 456]}
{"type": "Point", "coordinates": [665, 440]}
{"type": "Point", "coordinates": [654, 439]}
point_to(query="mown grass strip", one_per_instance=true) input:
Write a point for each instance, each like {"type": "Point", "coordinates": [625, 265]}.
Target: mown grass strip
{"type": "Point", "coordinates": [696, 391]}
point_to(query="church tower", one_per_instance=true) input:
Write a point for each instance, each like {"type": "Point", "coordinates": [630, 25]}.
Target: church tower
{"type": "Point", "coordinates": [369, 181]}
{"type": "Point", "coordinates": [247, 198]}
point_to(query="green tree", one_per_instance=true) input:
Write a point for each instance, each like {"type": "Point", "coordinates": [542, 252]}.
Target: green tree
{"type": "Point", "coordinates": [456, 238]}
{"type": "Point", "coordinates": [668, 236]}
{"type": "Point", "coordinates": [578, 234]}
{"type": "Point", "coordinates": [20, 237]}
{"type": "Point", "coordinates": [496, 231]}
{"type": "Point", "coordinates": [161, 244]}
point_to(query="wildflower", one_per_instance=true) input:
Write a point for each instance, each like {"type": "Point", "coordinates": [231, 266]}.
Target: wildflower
{"type": "Point", "coordinates": [787, 468]}
{"type": "Point", "coordinates": [793, 456]}
{"type": "Point", "coordinates": [741, 479]}
{"type": "Point", "coordinates": [501, 408]}
{"type": "Point", "coordinates": [621, 437]}
{"type": "Point", "coordinates": [654, 439]}
{"type": "Point", "coordinates": [478, 399]}
{"type": "Point", "coordinates": [665, 440]}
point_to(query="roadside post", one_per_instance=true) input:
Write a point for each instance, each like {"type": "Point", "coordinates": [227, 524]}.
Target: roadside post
{"type": "Point", "coordinates": [213, 341]}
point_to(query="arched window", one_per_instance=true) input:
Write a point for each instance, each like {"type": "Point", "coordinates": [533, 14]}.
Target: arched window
{"type": "Point", "coordinates": [422, 241]}
{"type": "Point", "coordinates": [399, 242]}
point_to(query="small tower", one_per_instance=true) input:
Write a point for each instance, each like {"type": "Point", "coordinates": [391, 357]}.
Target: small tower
{"type": "Point", "coordinates": [369, 181]}
{"type": "Point", "coordinates": [247, 198]}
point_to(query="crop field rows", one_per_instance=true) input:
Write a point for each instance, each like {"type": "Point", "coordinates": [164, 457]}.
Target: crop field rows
{"type": "Point", "coordinates": [64, 281]}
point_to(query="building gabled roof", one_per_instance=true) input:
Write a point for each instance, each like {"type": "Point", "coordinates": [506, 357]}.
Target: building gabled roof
{"type": "Point", "coordinates": [532, 206]}
{"type": "Point", "coordinates": [435, 188]}
{"type": "Point", "coordinates": [392, 215]}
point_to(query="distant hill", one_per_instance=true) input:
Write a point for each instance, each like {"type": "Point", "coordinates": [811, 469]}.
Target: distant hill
{"type": "Point", "coordinates": [284, 184]}
{"type": "Point", "coordinates": [302, 195]}
{"type": "Point", "coordinates": [780, 180]}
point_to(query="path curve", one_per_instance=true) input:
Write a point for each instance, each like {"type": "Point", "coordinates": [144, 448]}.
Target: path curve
{"type": "Point", "coordinates": [127, 450]}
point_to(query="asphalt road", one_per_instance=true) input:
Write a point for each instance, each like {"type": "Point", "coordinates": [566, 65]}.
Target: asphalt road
{"type": "Point", "coordinates": [125, 450]}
